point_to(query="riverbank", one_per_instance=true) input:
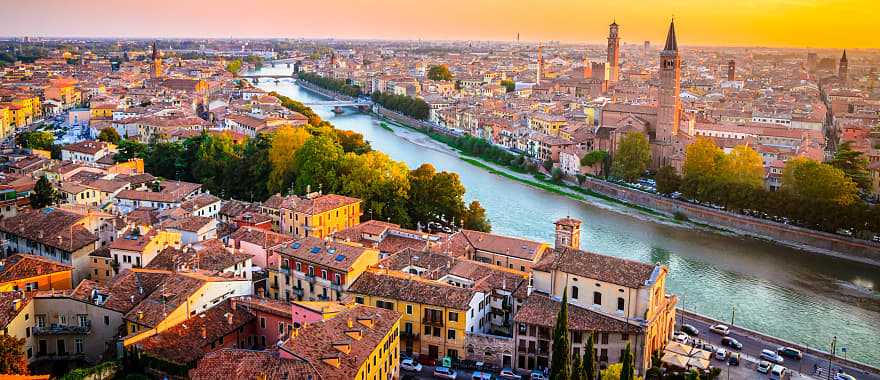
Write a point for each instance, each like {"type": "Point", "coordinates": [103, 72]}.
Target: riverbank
{"type": "Point", "coordinates": [816, 242]}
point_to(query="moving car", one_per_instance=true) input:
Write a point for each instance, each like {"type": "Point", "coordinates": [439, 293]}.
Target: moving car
{"type": "Point", "coordinates": [720, 329]}
{"type": "Point", "coordinates": [690, 330]}
{"type": "Point", "coordinates": [764, 366]}
{"type": "Point", "coordinates": [771, 356]}
{"type": "Point", "coordinates": [410, 365]}
{"type": "Point", "coordinates": [778, 372]}
{"type": "Point", "coordinates": [445, 373]}
{"type": "Point", "coordinates": [734, 359]}
{"type": "Point", "coordinates": [537, 375]}
{"type": "Point", "coordinates": [731, 342]}
{"type": "Point", "coordinates": [721, 354]}
{"type": "Point", "coordinates": [481, 376]}
{"type": "Point", "coordinates": [789, 352]}
{"type": "Point", "coordinates": [843, 376]}
{"type": "Point", "coordinates": [507, 373]}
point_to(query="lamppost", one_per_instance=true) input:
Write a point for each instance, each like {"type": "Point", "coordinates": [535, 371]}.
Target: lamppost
{"type": "Point", "coordinates": [833, 346]}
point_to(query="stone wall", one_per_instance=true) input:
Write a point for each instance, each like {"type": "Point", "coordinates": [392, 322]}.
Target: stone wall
{"type": "Point", "coordinates": [489, 348]}
{"type": "Point", "coordinates": [843, 246]}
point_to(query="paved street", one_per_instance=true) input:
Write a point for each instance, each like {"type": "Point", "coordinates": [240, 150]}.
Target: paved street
{"type": "Point", "coordinates": [752, 347]}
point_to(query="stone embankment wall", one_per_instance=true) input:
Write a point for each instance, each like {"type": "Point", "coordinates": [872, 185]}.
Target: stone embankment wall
{"type": "Point", "coordinates": [843, 246]}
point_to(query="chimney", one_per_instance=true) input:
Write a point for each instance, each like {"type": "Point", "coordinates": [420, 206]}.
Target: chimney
{"type": "Point", "coordinates": [350, 323]}
{"type": "Point", "coordinates": [16, 304]}
{"type": "Point", "coordinates": [233, 303]}
{"type": "Point", "coordinates": [140, 315]}
{"type": "Point", "coordinates": [204, 332]}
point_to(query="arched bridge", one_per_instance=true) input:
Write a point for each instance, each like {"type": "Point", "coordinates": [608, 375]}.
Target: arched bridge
{"type": "Point", "coordinates": [340, 103]}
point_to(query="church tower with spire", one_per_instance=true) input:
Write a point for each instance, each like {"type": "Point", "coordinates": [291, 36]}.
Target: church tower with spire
{"type": "Point", "coordinates": [157, 62]}
{"type": "Point", "coordinates": [669, 103]}
{"type": "Point", "coordinates": [613, 52]}
{"type": "Point", "coordinates": [843, 69]}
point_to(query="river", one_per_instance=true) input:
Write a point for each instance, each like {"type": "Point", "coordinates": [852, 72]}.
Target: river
{"type": "Point", "coordinates": [784, 292]}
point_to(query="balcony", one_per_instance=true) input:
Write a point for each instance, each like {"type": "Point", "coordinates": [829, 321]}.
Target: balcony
{"type": "Point", "coordinates": [409, 335]}
{"type": "Point", "coordinates": [310, 278]}
{"type": "Point", "coordinates": [285, 270]}
{"type": "Point", "coordinates": [56, 329]}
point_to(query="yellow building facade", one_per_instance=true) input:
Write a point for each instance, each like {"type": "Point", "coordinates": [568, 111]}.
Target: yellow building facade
{"type": "Point", "coordinates": [321, 216]}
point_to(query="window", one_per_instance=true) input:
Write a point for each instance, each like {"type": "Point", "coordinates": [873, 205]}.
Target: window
{"type": "Point", "coordinates": [78, 345]}
{"type": "Point", "coordinates": [409, 309]}
{"type": "Point", "coordinates": [338, 279]}
{"type": "Point", "coordinates": [83, 320]}
{"type": "Point", "coordinates": [453, 316]}
{"type": "Point", "coordinates": [605, 339]}
{"type": "Point", "coordinates": [597, 298]}
{"type": "Point", "coordinates": [359, 300]}
{"type": "Point", "coordinates": [281, 327]}
{"type": "Point", "coordinates": [620, 303]}
{"type": "Point", "coordinates": [574, 292]}
{"type": "Point", "coordinates": [298, 267]}
{"type": "Point", "coordinates": [450, 334]}
{"type": "Point", "coordinates": [107, 320]}
{"type": "Point", "coordinates": [262, 322]}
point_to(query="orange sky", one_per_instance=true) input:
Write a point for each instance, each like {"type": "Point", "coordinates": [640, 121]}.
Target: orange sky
{"type": "Point", "coordinates": [797, 23]}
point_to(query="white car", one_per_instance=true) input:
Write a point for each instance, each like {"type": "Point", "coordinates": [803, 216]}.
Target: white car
{"type": "Point", "coordinates": [720, 329]}
{"type": "Point", "coordinates": [445, 373]}
{"type": "Point", "coordinates": [721, 354]}
{"type": "Point", "coordinates": [410, 365]}
{"type": "Point", "coordinates": [764, 366]}
{"type": "Point", "coordinates": [680, 337]}
{"type": "Point", "coordinates": [843, 376]}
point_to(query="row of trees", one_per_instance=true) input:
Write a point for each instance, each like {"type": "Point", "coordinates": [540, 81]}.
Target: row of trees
{"type": "Point", "coordinates": [336, 85]}
{"type": "Point", "coordinates": [293, 160]}
{"type": "Point", "coordinates": [823, 196]}
{"type": "Point", "coordinates": [412, 107]}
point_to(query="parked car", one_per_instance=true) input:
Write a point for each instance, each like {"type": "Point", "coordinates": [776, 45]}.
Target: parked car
{"type": "Point", "coordinates": [690, 330]}
{"type": "Point", "coordinates": [427, 360]}
{"type": "Point", "coordinates": [537, 375]}
{"type": "Point", "coordinates": [720, 329]}
{"type": "Point", "coordinates": [843, 376]}
{"type": "Point", "coordinates": [790, 352]}
{"type": "Point", "coordinates": [680, 337]}
{"type": "Point", "coordinates": [481, 376]}
{"type": "Point", "coordinates": [764, 366]}
{"type": "Point", "coordinates": [771, 356]}
{"type": "Point", "coordinates": [734, 359]}
{"type": "Point", "coordinates": [444, 373]}
{"type": "Point", "coordinates": [778, 372]}
{"type": "Point", "coordinates": [507, 373]}
{"type": "Point", "coordinates": [721, 354]}
{"type": "Point", "coordinates": [731, 342]}
{"type": "Point", "coordinates": [410, 365]}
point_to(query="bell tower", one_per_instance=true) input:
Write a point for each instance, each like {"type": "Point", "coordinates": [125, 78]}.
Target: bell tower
{"type": "Point", "coordinates": [843, 69]}
{"type": "Point", "coordinates": [669, 102]}
{"type": "Point", "coordinates": [613, 58]}
{"type": "Point", "coordinates": [157, 62]}
{"type": "Point", "coordinates": [568, 233]}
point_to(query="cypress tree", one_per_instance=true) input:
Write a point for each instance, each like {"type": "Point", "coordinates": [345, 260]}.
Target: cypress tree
{"type": "Point", "coordinates": [588, 365]}
{"type": "Point", "coordinates": [560, 362]}
{"type": "Point", "coordinates": [577, 371]}
{"type": "Point", "coordinates": [44, 194]}
{"type": "Point", "coordinates": [627, 372]}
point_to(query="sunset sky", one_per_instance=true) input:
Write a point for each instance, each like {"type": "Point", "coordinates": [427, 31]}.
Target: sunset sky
{"type": "Point", "coordinates": [795, 23]}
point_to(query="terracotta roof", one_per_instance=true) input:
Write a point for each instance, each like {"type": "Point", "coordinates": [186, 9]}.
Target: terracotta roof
{"type": "Point", "coordinates": [266, 305]}
{"type": "Point", "coordinates": [629, 273]}
{"type": "Point", "coordinates": [316, 341]}
{"type": "Point", "coordinates": [129, 288]}
{"type": "Point", "coordinates": [86, 147]}
{"type": "Point", "coordinates": [199, 201]}
{"type": "Point", "coordinates": [144, 216]}
{"type": "Point", "coordinates": [542, 311]}
{"type": "Point", "coordinates": [251, 365]}
{"type": "Point", "coordinates": [190, 224]}
{"type": "Point", "coordinates": [191, 339]}
{"type": "Point", "coordinates": [260, 237]}
{"type": "Point", "coordinates": [404, 287]}
{"type": "Point", "coordinates": [504, 245]}
{"type": "Point", "coordinates": [334, 255]}
{"type": "Point", "coordinates": [323, 203]}
{"type": "Point", "coordinates": [234, 208]}
{"type": "Point", "coordinates": [209, 255]}
{"type": "Point", "coordinates": [172, 292]}
{"type": "Point", "coordinates": [49, 226]}
{"type": "Point", "coordinates": [7, 312]}
{"type": "Point", "coordinates": [21, 266]}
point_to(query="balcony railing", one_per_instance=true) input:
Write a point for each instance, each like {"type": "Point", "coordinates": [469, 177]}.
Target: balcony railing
{"type": "Point", "coordinates": [55, 329]}
{"type": "Point", "coordinates": [433, 321]}
{"type": "Point", "coordinates": [409, 335]}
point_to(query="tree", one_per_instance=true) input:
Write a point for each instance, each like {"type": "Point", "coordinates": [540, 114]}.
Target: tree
{"type": "Point", "coordinates": [632, 157]}
{"type": "Point", "coordinates": [627, 371]}
{"type": "Point", "coordinates": [380, 182]}
{"type": "Point", "coordinates": [286, 141]}
{"type": "Point", "coordinates": [436, 197]}
{"type": "Point", "coordinates": [129, 149]}
{"type": "Point", "coordinates": [475, 218]}
{"type": "Point", "coordinates": [560, 361]}
{"type": "Point", "coordinates": [702, 158]}
{"type": "Point", "coordinates": [812, 180]}
{"type": "Point", "coordinates": [668, 181]}
{"type": "Point", "coordinates": [589, 364]}
{"type": "Point", "coordinates": [109, 135]}
{"type": "Point", "coordinates": [12, 356]}
{"type": "Point", "coordinates": [596, 157]}
{"type": "Point", "coordinates": [44, 194]}
{"type": "Point", "coordinates": [743, 165]}
{"type": "Point", "coordinates": [556, 175]}
{"type": "Point", "coordinates": [439, 72]}
{"type": "Point", "coordinates": [509, 85]}
{"type": "Point", "coordinates": [613, 372]}
{"type": "Point", "coordinates": [316, 164]}
{"type": "Point", "coordinates": [42, 140]}
{"type": "Point", "coordinates": [853, 163]}
{"type": "Point", "coordinates": [576, 367]}
{"type": "Point", "coordinates": [234, 66]}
